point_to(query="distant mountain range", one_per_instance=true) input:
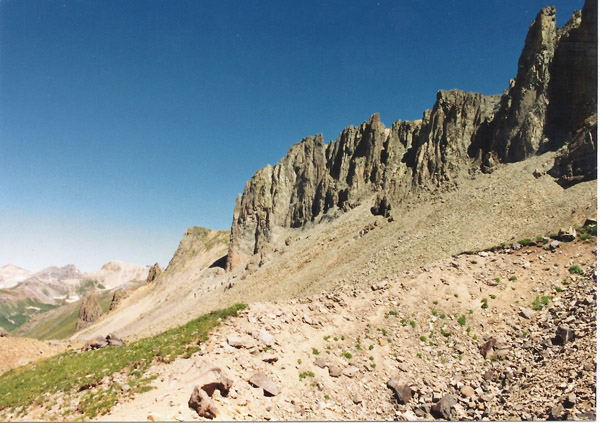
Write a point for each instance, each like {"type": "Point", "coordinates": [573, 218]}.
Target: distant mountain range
{"type": "Point", "coordinates": [24, 294]}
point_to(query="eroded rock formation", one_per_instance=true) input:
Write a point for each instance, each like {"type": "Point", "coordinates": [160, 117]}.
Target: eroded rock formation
{"type": "Point", "coordinates": [89, 312]}
{"type": "Point", "coordinates": [550, 105]}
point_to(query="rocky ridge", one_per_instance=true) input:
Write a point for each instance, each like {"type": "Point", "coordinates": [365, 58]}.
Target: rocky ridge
{"type": "Point", "coordinates": [462, 134]}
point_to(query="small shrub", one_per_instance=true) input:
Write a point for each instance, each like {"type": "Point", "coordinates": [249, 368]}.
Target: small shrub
{"type": "Point", "coordinates": [525, 241]}
{"type": "Point", "coordinates": [326, 338]}
{"type": "Point", "coordinates": [469, 330]}
{"type": "Point", "coordinates": [462, 320]}
{"type": "Point", "coordinates": [575, 269]}
{"type": "Point", "coordinates": [373, 365]}
{"type": "Point", "coordinates": [545, 301]}
{"type": "Point", "coordinates": [343, 338]}
{"type": "Point", "coordinates": [347, 355]}
{"type": "Point", "coordinates": [316, 351]}
{"type": "Point", "coordinates": [445, 333]}
{"type": "Point", "coordinates": [497, 280]}
{"type": "Point", "coordinates": [413, 324]}
{"type": "Point", "coordinates": [558, 289]}
{"type": "Point", "coordinates": [327, 397]}
{"type": "Point", "coordinates": [299, 361]}
{"type": "Point", "coordinates": [423, 338]}
{"type": "Point", "coordinates": [492, 296]}
{"type": "Point", "coordinates": [434, 312]}
{"type": "Point", "coordinates": [435, 302]}
{"type": "Point", "coordinates": [371, 358]}
{"type": "Point", "coordinates": [442, 316]}
{"type": "Point", "coordinates": [393, 313]}
{"type": "Point", "coordinates": [419, 355]}
{"type": "Point", "coordinates": [304, 375]}
{"type": "Point", "coordinates": [512, 278]}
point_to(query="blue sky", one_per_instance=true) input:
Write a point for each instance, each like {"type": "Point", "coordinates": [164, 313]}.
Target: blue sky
{"type": "Point", "coordinates": [124, 122]}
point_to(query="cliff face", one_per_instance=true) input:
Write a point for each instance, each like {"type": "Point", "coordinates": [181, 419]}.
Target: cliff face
{"type": "Point", "coordinates": [550, 105]}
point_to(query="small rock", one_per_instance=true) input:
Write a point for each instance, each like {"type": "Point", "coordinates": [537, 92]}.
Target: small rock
{"type": "Point", "coordinates": [554, 245]}
{"type": "Point", "coordinates": [467, 391]}
{"type": "Point", "coordinates": [564, 335]}
{"type": "Point", "coordinates": [443, 409]}
{"type": "Point", "coordinates": [526, 312]}
{"type": "Point", "coordinates": [3, 332]}
{"type": "Point", "coordinates": [335, 371]}
{"type": "Point", "coordinates": [537, 173]}
{"type": "Point", "coordinates": [307, 320]}
{"type": "Point", "coordinates": [380, 285]}
{"type": "Point", "coordinates": [557, 413]}
{"type": "Point", "coordinates": [570, 401]}
{"type": "Point", "coordinates": [489, 375]}
{"type": "Point", "coordinates": [265, 337]}
{"type": "Point", "coordinates": [350, 371]}
{"type": "Point", "coordinates": [488, 348]}
{"type": "Point", "coordinates": [357, 399]}
{"type": "Point", "coordinates": [260, 380]}
{"type": "Point", "coordinates": [402, 391]}
{"type": "Point", "coordinates": [320, 363]}
{"type": "Point", "coordinates": [235, 341]}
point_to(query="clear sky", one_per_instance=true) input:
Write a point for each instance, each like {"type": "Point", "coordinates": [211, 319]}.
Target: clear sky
{"type": "Point", "coordinates": [123, 122]}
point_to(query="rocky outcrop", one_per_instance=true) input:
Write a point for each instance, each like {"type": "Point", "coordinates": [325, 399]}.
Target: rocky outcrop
{"type": "Point", "coordinates": [551, 104]}
{"type": "Point", "coordinates": [89, 312]}
{"type": "Point", "coordinates": [118, 296]}
{"type": "Point", "coordinates": [153, 273]}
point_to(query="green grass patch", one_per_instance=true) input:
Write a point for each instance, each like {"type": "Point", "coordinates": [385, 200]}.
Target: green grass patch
{"type": "Point", "coordinates": [304, 375]}
{"type": "Point", "coordinates": [575, 270]}
{"type": "Point", "coordinates": [540, 303]}
{"type": "Point", "coordinates": [72, 372]}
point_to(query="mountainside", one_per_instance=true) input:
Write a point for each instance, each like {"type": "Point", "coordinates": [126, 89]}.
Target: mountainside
{"type": "Point", "coordinates": [550, 105]}
{"type": "Point", "coordinates": [473, 172]}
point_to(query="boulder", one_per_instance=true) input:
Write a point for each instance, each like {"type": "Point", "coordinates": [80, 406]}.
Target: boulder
{"type": "Point", "coordinates": [260, 380]}
{"type": "Point", "coordinates": [402, 391]}
{"type": "Point", "coordinates": [567, 235]}
{"type": "Point", "coordinates": [443, 409]}
{"type": "Point", "coordinates": [212, 378]}
{"type": "Point", "coordinates": [114, 341]}
{"type": "Point", "coordinates": [202, 404]}
{"type": "Point", "coordinates": [564, 335]}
